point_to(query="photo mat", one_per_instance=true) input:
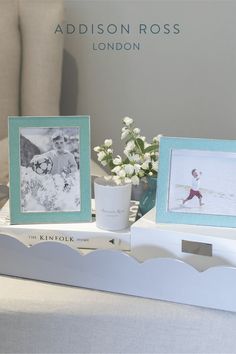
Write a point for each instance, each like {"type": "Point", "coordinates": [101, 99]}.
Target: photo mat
{"type": "Point", "coordinates": [49, 169]}
{"type": "Point", "coordinates": [196, 182]}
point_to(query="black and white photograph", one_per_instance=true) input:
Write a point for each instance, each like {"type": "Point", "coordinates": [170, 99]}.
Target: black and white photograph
{"type": "Point", "coordinates": [50, 169]}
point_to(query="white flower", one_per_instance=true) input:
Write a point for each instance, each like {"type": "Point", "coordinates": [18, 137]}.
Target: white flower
{"type": "Point", "coordinates": [135, 163]}
{"type": "Point", "coordinates": [117, 179]}
{"type": "Point", "coordinates": [130, 146]}
{"type": "Point", "coordinates": [141, 173]}
{"type": "Point", "coordinates": [155, 165]}
{"type": "Point", "coordinates": [136, 131]}
{"type": "Point", "coordinates": [134, 157]}
{"type": "Point", "coordinates": [159, 137]}
{"type": "Point", "coordinates": [155, 140]}
{"type": "Point", "coordinates": [126, 153]}
{"type": "Point", "coordinates": [127, 180]}
{"type": "Point", "coordinates": [108, 142]}
{"type": "Point", "coordinates": [116, 169]}
{"type": "Point", "coordinates": [145, 165]}
{"type": "Point", "coordinates": [128, 121]}
{"type": "Point", "coordinates": [154, 153]}
{"type": "Point", "coordinates": [117, 160]}
{"type": "Point", "coordinates": [150, 174]}
{"type": "Point", "coordinates": [121, 173]}
{"type": "Point", "coordinates": [147, 156]}
{"type": "Point", "coordinates": [135, 180]}
{"type": "Point", "coordinates": [124, 134]}
{"type": "Point", "coordinates": [129, 169]}
{"type": "Point", "coordinates": [101, 155]}
{"type": "Point", "coordinates": [137, 168]}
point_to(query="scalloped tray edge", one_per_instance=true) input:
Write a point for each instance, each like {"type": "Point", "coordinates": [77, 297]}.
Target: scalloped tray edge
{"type": "Point", "coordinates": [116, 271]}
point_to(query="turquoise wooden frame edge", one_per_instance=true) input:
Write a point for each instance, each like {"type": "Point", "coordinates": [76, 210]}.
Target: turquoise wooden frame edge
{"type": "Point", "coordinates": [15, 123]}
{"type": "Point", "coordinates": [163, 215]}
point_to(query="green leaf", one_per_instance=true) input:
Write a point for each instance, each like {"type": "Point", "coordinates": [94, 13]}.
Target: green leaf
{"type": "Point", "coordinates": [140, 144]}
{"type": "Point", "coordinates": [111, 165]}
{"type": "Point", "coordinates": [126, 161]}
{"type": "Point", "coordinates": [151, 148]}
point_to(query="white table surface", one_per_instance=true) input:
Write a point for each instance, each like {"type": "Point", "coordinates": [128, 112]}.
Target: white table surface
{"type": "Point", "coordinates": [38, 317]}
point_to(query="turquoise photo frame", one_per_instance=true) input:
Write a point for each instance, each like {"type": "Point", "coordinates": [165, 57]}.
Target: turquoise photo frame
{"type": "Point", "coordinates": [183, 164]}
{"type": "Point", "coordinates": [45, 188]}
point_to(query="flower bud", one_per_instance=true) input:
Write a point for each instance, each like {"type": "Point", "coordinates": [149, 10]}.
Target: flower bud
{"type": "Point", "coordinates": [101, 155]}
{"type": "Point", "coordinates": [128, 121]}
{"type": "Point", "coordinates": [108, 142]}
{"type": "Point", "coordinates": [117, 160]}
{"type": "Point", "coordinates": [124, 134]}
{"type": "Point", "coordinates": [136, 131]}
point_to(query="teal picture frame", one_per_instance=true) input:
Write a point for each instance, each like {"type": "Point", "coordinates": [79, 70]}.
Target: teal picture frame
{"type": "Point", "coordinates": [214, 203]}
{"type": "Point", "coordinates": [36, 194]}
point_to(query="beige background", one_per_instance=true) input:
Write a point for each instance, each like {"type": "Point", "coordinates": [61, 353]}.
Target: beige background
{"type": "Point", "coordinates": [175, 85]}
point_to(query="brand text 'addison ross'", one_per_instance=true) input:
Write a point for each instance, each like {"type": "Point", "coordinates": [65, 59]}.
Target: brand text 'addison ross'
{"type": "Point", "coordinates": [112, 34]}
{"type": "Point", "coordinates": [122, 29]}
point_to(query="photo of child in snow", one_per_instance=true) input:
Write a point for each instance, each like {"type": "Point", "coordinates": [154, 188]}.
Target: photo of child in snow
{"type": "Point", "coordinates": [202, 182]}
{"type": "Point", "coordinates": [50, 175]}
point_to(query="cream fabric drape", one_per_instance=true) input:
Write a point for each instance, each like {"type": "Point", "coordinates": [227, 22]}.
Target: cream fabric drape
{"type": "Point", "coordinates": [31, 57]}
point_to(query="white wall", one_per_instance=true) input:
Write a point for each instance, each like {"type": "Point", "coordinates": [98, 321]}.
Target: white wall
{"type": "Point", "coordinates": [178, 85]}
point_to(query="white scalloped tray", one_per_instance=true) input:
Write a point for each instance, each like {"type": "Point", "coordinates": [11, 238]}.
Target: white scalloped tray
{"type": "Point", "coordinates": [115, 271]}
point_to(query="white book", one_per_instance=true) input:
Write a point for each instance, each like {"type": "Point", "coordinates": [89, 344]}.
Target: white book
{"type": "Point", "coordinates": [78, 236]}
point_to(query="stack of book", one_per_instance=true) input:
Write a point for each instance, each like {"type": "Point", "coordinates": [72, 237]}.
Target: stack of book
{"type": "Point", "coordinates": [76, 235]}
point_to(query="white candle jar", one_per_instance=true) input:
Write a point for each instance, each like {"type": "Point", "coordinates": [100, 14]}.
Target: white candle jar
{"type": "Point", "coordinates": [112, 203]}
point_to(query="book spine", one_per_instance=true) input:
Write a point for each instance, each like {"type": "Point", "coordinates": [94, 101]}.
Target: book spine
{"type": "Point", "coordinates": [72, 239]}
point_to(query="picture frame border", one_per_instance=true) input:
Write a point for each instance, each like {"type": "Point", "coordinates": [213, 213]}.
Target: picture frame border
{"type": "Point", "coordinates": [15, 123]}
{"type": "Point", "coordinates": [163, 215]}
